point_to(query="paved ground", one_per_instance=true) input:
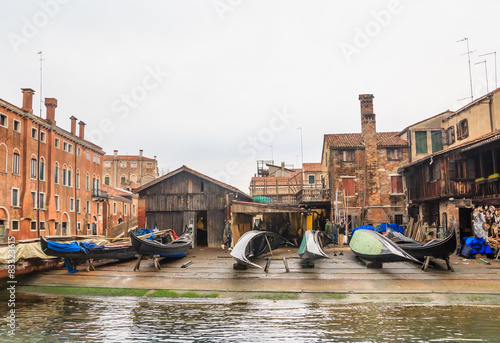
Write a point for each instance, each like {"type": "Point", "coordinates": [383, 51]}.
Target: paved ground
{"type": "Point", "coordinates": [212, 270]}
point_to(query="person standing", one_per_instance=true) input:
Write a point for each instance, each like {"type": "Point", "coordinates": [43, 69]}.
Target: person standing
{"type": "Point", "coordinates": [227, 235]}
{"type": "Point", "coordinates": [329, 229]}
{"type": "Point", "coordinates": [341, 232]}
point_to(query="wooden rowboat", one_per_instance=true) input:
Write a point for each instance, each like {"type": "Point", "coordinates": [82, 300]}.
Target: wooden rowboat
{"type": "Point", "coordinates": [374, 247]}
{"type": "Point", "coordinates": [255, 243]}
{"type": "Point", "coordinates": [176, 248]}
{"type": "Point", "coordinates": [312, 244]}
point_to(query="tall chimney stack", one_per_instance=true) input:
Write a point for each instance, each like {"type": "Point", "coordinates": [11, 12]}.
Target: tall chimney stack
{"type": "Point", "coordinates": [28, 99]}
{"type": "Point", "coordinates": [73, 124]}
{"type": "Point", "coordinates": [81, 129]}
{"type": "Point", "coordinates": [51, 105]}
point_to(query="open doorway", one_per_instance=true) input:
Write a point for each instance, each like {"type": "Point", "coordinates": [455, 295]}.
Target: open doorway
{"type": "Point", "coordinates": [94, 226]}
{"type": "Point", "coordinates": [465, 222]}
{"type": "Point", "coordinates": [201, 229]}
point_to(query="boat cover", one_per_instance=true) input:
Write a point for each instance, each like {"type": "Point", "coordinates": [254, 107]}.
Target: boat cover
{"type": "Point", "coordinates": [470, 246]}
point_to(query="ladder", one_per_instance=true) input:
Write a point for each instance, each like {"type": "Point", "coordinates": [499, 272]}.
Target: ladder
{"type": "Point", "coordinates": [340, 207]}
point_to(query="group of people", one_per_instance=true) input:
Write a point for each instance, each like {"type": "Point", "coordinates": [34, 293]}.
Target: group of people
{"type": "Point", "coordinates": [335, 231]}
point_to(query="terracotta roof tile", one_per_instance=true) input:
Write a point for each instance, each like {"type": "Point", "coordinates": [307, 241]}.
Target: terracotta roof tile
{"type": "Point", "coordinates": [311, 167]}
{"type": "Point", "coordinates": [127, 157]}
{"type": "Point", "coordinates": [355, 140]}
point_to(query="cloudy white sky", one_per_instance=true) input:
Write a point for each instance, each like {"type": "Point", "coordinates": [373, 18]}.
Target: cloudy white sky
{"type": "Point", "coordinates": [213, 84]}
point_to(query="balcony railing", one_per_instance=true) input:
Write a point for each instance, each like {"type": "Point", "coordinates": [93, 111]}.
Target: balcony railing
{"type": "Point", "coordinates": [99, 193]}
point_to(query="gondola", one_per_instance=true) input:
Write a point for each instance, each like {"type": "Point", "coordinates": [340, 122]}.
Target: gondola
{"type": "Point", "coordinates": [374, 247]}
{"type": "Point", "coordinates": [311, 247]}
{"type": "Point", "coordinates": [255, 243]}
{"type": "Point", "coordinates": [437, 248]}
{"type": "Point", "coordinates": [399, 238]}
{"type": "Point", "coordinates": [176, 248]}
{"type": "Point", "coordinates": [79, 251]}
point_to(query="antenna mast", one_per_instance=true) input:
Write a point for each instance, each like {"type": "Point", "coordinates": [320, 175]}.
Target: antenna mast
{"type": "Point", "coordinates": [468, 57]}
{"type": "Point", "coordinates": [493, 53]}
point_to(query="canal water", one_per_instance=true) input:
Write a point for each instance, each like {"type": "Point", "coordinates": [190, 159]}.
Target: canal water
{"type": "Point", "coordinates": [67, 319]}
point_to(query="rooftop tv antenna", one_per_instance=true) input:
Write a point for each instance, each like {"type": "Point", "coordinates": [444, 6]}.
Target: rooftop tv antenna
{"type": "Point", "coordinates": [468, 58]}
{"type": "Point", "coordinates": [41, 104]}
{"type": "Point", "coordinates": [493, 53]}
{"type": "Point", "coordinates": [486, 70]}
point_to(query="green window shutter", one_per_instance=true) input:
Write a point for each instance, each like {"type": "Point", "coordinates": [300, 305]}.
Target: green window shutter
{"type": "Point", "coordinates": [437, 141]}
{"type": "Point", "coordinates": [421, 142]}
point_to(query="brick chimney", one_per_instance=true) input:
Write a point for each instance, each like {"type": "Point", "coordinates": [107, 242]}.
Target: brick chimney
{"type": "Point", "coordinates": [73, 124]}
{"type": "Point", "coordinates": [51, 105]}
{"type": "Point", "coordinates": [28, 99]}
{"type": "Point", "coordinates": [81, 128]}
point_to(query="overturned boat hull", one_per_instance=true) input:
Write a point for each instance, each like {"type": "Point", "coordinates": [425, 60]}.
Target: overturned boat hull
{"type": "Point", "coordinates": [255, 243]}
{"type": "Point", "coordinates": [176, 248]}
{"type": "Point", "coordinates": [372, 246]}
{"type": "Point", "coordinates": [312, 244]}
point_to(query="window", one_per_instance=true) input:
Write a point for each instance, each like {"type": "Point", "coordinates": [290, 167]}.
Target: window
{"type": "Point", "coordinates": [56, 173]}
{"type": "Point", "coordinates": [3, 157]}
{"type": "Point", "coordinates": [64, 176]}
{"type": "Point", "coordinates": [34, 162]}
{"type": "Point", "coordinates": [97, 159]}
{"type": "Point", "coordinates": [34, 133]}
{"type": "Point", "coordinates": [348, 185]}
{"type": "Point", "coordinates": [42, 169]}
{"type": "Point", "coordinates": [33, 199]}
{"type": "Point", "coordinates": [88, 206]}
{"type": "Point", "coordinates": [41, 202]}
{"type": "Point", "coordinates": [114, 207]}
{"type": "Point", "coordinates": [125, 209]}
{"type": "Point", "coordinates": [202, 187]}
{"type": "Point", "coordinates": [106, 180]}
{"type": "Point", "coordinates": [57, 143]}
{"type": "Point", "coordinates": [450, 133]}
{"type": "Point", "coordinates": [107, 164]}
{"type": "Point", "coordinates": [79, 226]}
{"type": "Point", "coordinates": [15, 197]}
{"type": "Point", "coordinates": [396, 184]}
{"type": "Point", "coordinates": [43, 136]}
{"type": "Point", "coordinates": [133, 165]}
{"type": "Point", "coordinates": [56, 200]}
{"type": "Point", "coordinates": [133, 209]}
{"type": "Point", "coordinates": [78, 151]}
{"type": "Point", "coordinates": [421, 142]}
{"type": "Point", "coordinates": [33, 225]}
{"type": "Point", "coordinates": [462, 129]}
{"type": "Point", "coordinates": [88, 156]}
{"type": "Point", "coordinates": [78, 205]}
{"type": "Point", "coordinates": [123, 164]}
{"type": "Point", "coordinates": [69, 176]}
{"type": "Point", "coordinates": [4, 120]}
{"type": "Point", "coordinates": [17, 125]}
{"type": "Point", "coordinates": [398, 219]}
{"type": "Point", "coordinates": [87, 182]}
{"type": "Point", "coordinates": [346, 155]}
{"type": "Point", "coordinates": [15, 163]}
{"type": "Point", "coordinates": [72, 205]}
{"type": "Point", "coordinates": [433, 171]}
{"type": "Point", "coordinates": [98, 209]}
{"type": "Point", "coordinates": [311, 179]}
{"type": "Point", "coordinates": [149, 165]}
{"type": "Point", "coordinates": [68, 147]}
{"type": "Point", "coordinates": [77, 179]}
{"type": "Point", "coordinates": [394, 154]}
{"type": "Point", "coordinates": [15, 225]}
{"type": "Point", "coordinates": [437, 141]}
{"type": "Point", "coordinates": [123, 179]}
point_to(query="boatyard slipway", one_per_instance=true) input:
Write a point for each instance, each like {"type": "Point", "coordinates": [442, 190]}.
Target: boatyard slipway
{"type": "Point", "coordinates": [342, 277]}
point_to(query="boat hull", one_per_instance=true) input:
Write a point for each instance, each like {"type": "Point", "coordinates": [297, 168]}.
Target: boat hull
{"type": "Point", "coordinates": [116, 253]}
{"type": "Point", "coordinates": [372, 246]}
{"type": "Point", "coordinates": [312, 244]}
{"type": "Point", "coordinates": [174, 249]}
{"type": "Point", "coordinates": [253, 244]}
{"type": "Point", "coordinates": [440, 249]}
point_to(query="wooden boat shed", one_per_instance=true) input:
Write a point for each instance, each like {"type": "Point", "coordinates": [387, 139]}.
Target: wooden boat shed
{"type": "Point", "coordinates": [185, 197]}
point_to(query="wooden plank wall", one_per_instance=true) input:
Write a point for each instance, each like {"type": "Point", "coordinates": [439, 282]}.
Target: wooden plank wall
{"type": "Point", "coordinates": [215, 228]}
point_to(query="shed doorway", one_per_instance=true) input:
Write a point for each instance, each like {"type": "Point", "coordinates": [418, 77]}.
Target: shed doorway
{"type": "Point", "coordinates": [465, 222]}
{"type": "Point", "coordinates": [201, 229]}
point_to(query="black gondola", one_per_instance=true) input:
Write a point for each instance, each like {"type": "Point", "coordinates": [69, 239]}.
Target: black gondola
{"type": "Point", "coordinates": [437, 248]}
{"type": "Point", "coordinates": [119, 251]}
{"type": "Point", "coordinates": [176, 248]}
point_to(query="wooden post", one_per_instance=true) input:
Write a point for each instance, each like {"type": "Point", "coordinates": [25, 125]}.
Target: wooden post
{"type": "Point", "coordinates": [426, 263]}
{"type": "Point", "coordinates": [138, 263]}
{"type": "Point", "coordinates": [285, 262]}
{"type": "Point", "coordinates": [448, 264]}
{"type": "Point", "coordinates": [268, 264]}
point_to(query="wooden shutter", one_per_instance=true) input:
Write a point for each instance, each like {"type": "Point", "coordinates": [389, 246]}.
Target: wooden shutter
{"type": "Point", "coordinates": [436, 173]}
{"type": "Point", "coordinates": [451, 170]}
{"type": "Point", "coordinates": [397, 184]}
{"type": "Point", "coordinates": [348, 186]}
{"type": "Point", "coordinates": [459, 131]}
{"type": "Point", "coordinates": [427, 173]}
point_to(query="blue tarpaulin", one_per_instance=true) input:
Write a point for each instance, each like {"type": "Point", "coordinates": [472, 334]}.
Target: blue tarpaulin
{"type": "Point", "coordinates": [65, 247]}
{"type": "Point", "coordinates": [89, 246]}
{"type": "Point", "coordinates": [470, 246]}
{"type": "Point", "coordinates": [380, 228]}
{"type": "Point", "coordinates": [141, 232]}
{"type": "Point", "coordinates": [362, 227]}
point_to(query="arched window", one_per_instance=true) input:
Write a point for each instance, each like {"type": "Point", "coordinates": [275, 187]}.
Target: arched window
{"type": "Point", "coordinates": [16, 159]}
{"type": "Point", "coordinates": [77, 179]}
{"type": "Point", "coordinates": [65, 175]}
{"type": "Point", "coordinates": [56, 173]}
{"type": "Point", "coordinates": [34, 166]}
{"type": "Point", "coordinates": [123, 179]}
{"type": "Point", "coordinates": [42, 169]}
{"type": "Point", "coordinates": [106, 179]}
{"type": "Point", "coordinates": [87, 182]}
{"type": "Point", "coordinates": [70, 176]}
{"type": "Point", "coordinates": [133, 178]}
{"type": "Point", "coordinates": [3, 157]}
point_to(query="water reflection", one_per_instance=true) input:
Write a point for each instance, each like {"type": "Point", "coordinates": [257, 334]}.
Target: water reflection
{"type": "Point", "coordinates": [62, 319]}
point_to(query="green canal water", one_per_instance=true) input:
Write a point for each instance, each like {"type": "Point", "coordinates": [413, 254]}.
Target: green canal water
{"type": "Point", "coordinates": [128, 319]}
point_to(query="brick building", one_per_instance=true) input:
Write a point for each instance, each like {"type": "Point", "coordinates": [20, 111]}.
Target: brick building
{"type": "Point", "coordinates": [119, 210]}
{"type": "Point", "coordinates": [364, 167]}
{"type": "Point", "coordinates": [129, 171]}
{"type": "Point", "coordinates": [49, 174]}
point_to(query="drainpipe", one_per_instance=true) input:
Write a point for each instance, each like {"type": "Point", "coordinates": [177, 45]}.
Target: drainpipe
{"type": "Point", "coordinates": [490, 96]}
{"type": "Point", "coordinates": [74, 185]}
{"type": "Point", "coordinates": [38, 183]}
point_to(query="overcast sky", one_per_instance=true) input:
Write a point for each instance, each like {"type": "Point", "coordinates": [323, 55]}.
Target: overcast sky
{"type": "Point", "coordinates": [213, 84]}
